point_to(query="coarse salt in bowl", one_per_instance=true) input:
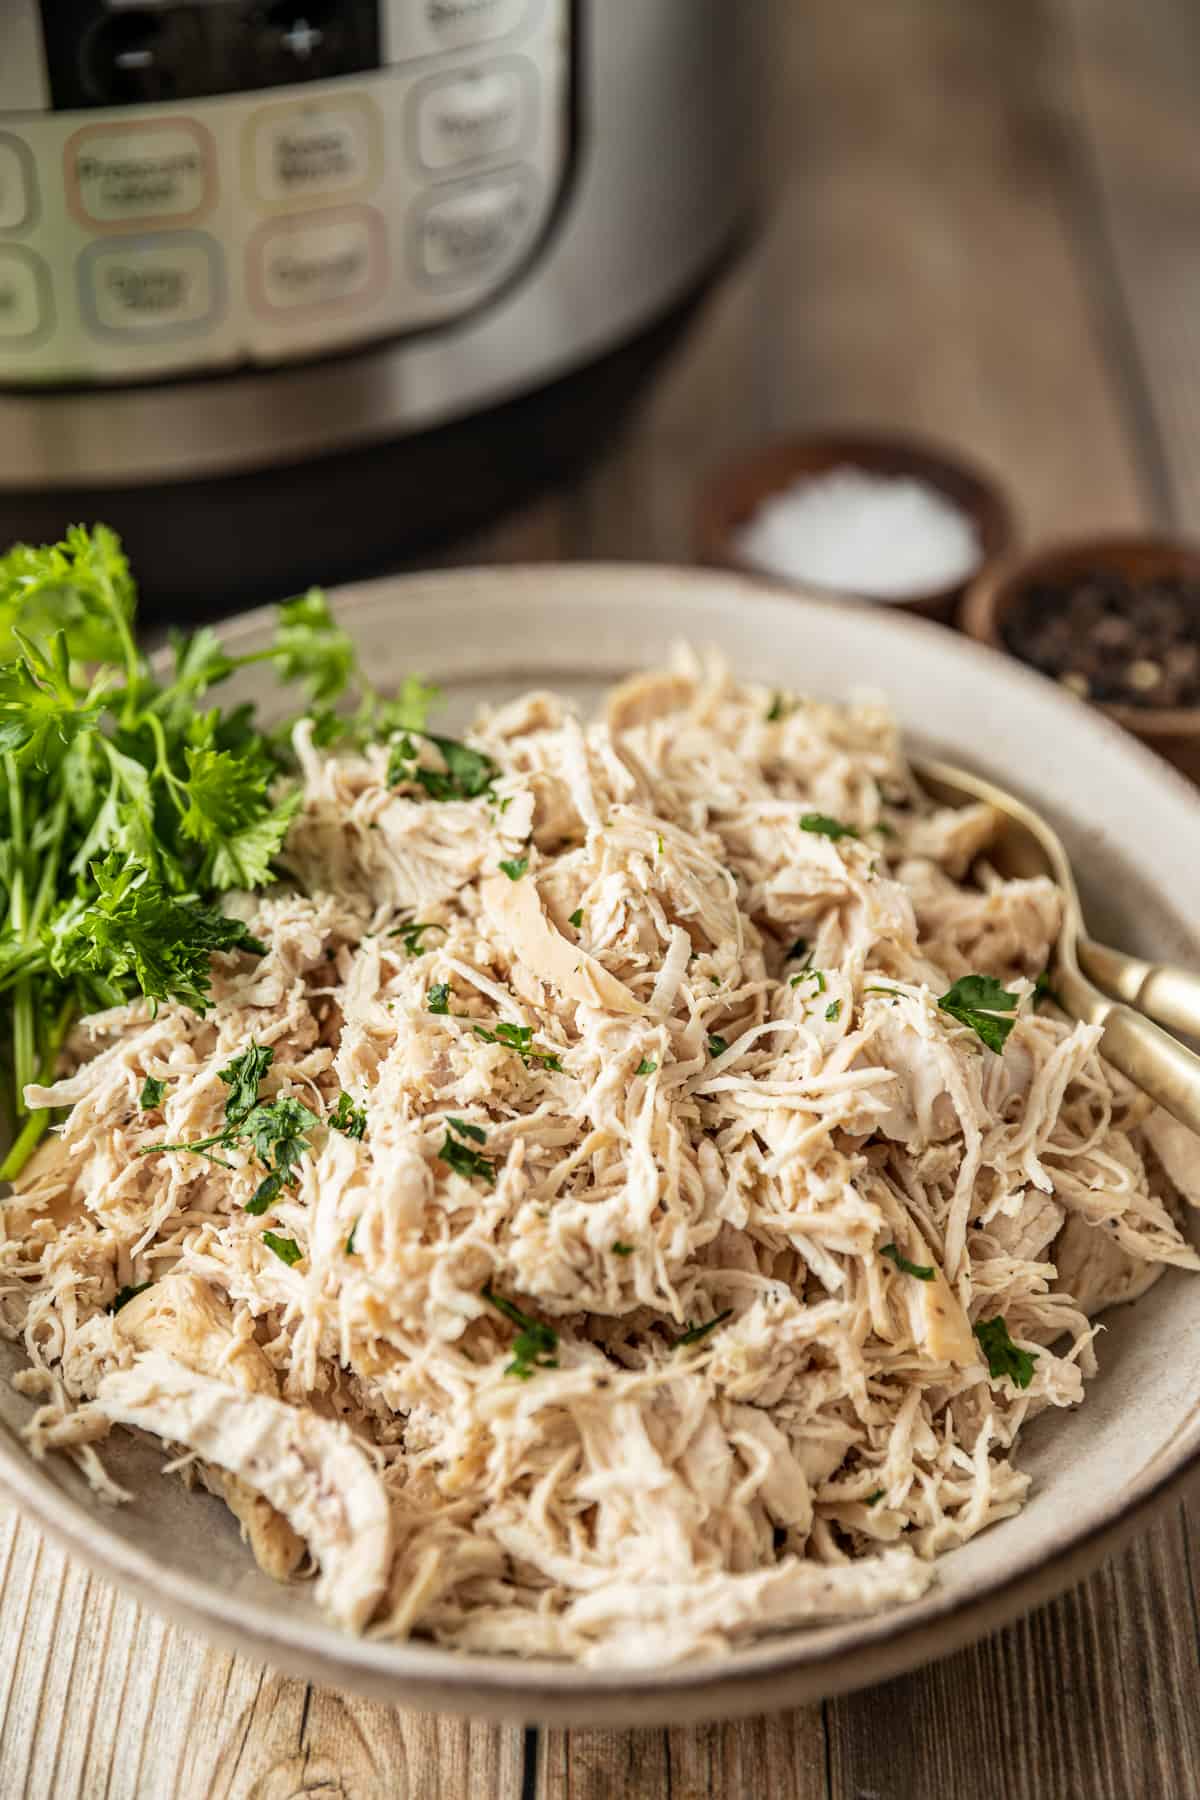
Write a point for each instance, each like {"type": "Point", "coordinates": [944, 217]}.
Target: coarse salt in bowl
{"type": "Point", "coordinates": [885, 519]}
{"type": "Point", "coordinates": [888, 537]}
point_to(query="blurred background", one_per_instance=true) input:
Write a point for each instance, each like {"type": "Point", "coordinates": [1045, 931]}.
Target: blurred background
{"type": "Point", "coordinates": [296, 293]}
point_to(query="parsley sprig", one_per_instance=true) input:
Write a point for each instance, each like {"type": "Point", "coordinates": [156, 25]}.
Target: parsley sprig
{"type": "Point", "coordinates": [535, 1346]}
{"type": "Point", "coordinates": [1004, 1358]}
{"type": "Point", "coordinates": [129, 805]}
{"type": "Point", "coordinates": [274, 1131]}
{"type": "Point", "coordinates": [982, 1002]}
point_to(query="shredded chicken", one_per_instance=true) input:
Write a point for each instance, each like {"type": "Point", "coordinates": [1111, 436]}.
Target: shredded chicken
{"type": "Point", "coordinates": [753, 1199]}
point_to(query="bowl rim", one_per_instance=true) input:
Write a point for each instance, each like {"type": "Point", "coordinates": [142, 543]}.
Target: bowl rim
{"type": "Point", "coordinates": [777, 1671]}
{"type": "Point", "coordinates": [990, 591]}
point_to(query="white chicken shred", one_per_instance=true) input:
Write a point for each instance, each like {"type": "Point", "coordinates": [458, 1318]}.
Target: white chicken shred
{"type": "Point", "coordinates": [657, 1304]}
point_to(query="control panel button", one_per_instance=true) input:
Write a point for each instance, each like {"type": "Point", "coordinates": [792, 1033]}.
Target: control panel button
{"type": "Point", "coordinates": [24, 296]}
{"type": "Point", "coordinates": [301, 152]}
{"type": "Point", "coordinates": [152, 287]}
{"type": "Point", "coordinates": [423, 27]}
{"type": "Point", "coordinates": [141, 173]}
{"type": "Point", "coordinates": [472, 115]}
{"type": "Point", "coordinates": [16, 184]}
{"type": "Point", "coordinates": [473, 231]}
{"type": "Point", "coordinates": [336, 259]}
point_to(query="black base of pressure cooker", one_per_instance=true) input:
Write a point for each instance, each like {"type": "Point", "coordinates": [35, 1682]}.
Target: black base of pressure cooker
{"type": "Point", "coordinates": [208, 547]}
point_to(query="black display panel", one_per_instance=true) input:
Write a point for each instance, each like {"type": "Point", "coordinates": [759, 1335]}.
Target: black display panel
{"type": "Point", "coordinates": [127, 55]}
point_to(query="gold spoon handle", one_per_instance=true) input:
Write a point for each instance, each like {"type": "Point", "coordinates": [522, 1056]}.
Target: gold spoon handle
{"type": "Point", "coordinates": [1152, 1059]}
{"type": "Point", "coordinates": [1161, 990]}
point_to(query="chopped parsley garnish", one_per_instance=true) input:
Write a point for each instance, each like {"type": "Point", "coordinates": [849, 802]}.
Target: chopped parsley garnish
{"type": "Point", "coordinates": [520, 1039]}
{"type": "Point", "coordinates": [620, 1249]}
{"type": "Point", "coordinates": [274, 1130]}
{"type": "Point", "coordinates": [535, 1345]}
{"type": "Point", "coordinates": [152, 1094]}
{"type": "Point", "coordinates": [350, 1250]}
{"type": "Point", "coordinates": [799, 948]}
{"type": "Point", "coordinates": [884, 829]}
{"type": "Point", "coordinates": [695, 1333]}
{"type": "Point", "coordinates": [980, 1001]}
{"type": "Point", "coordinates": [660, 843]}
{"type": "Point", "coordinates": [124, 1295]}
{"type": "Point", "coordinates": [576, 918]}
{"type": "Point", "coordinates": [438, 998]}
{"type": "Point", "coordinates": [462, 1159]}
{"type": "Point", "coordinates": [921, 1270]}
{"type": "Point", "coordinates": [410, 935]}
{"type": "Point", "coordinates": [1042, 990]}
{"type": "Point", "coordinates": [468, 773]}
{"type": "Point", "coordinates": [817, 975]}
{"type": "Point", "coordinates": [824, 826]}
{"type": "Point", "coordinates": [474, 1132]}
{"type": "Point", "coordinates": [515, 867]}
{"type": "Point", "coordinates": [1004, 1358]}
{"type": "Point", "coordinates": [873, 1499]}
{"type": "Point", "coordinates": [777, 709]}
{"type": "Point", "coordinates": [716, 1044]}
{"type": "Point", "coordinates": [896, 993]}
{"type": "Point", "coordinates": [348, 1118]}
{"type": "Point", "coordinates": [647, 1066]}
{"type": "Point", "coordinates": [286, 1249]}
{"type": "Point", "coordinates": [833, 1011]}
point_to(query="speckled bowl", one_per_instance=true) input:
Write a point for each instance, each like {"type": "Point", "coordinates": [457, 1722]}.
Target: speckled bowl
{"type": "Point", "coordinates": [1133, 828]}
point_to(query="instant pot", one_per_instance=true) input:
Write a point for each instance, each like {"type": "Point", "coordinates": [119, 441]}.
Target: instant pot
{"type": "Point", "coordinates": [289, 290]}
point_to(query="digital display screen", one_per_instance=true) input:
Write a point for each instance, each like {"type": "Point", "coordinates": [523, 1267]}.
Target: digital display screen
{"type": "Point", "coordinates": [122, 54]}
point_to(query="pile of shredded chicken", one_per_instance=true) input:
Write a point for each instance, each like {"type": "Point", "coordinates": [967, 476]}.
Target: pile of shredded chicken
{"type": "Point", "coordinates": [711, 1125]}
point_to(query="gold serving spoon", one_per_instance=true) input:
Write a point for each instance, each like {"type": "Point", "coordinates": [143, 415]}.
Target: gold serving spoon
{"type": "Point", "coordinates": [1152, 1059]}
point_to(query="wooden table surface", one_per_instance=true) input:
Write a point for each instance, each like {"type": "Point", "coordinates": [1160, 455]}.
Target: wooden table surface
{"type": "Point", "coordinates": [984, 225]}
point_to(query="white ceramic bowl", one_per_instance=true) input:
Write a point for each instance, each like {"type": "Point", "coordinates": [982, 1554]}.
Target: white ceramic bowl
{"type": "Point", "coordinates": [1133, 827]}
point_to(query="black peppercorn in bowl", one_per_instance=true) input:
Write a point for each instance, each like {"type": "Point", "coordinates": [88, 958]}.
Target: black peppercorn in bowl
{"type": "Point", "coordinates": [1114, 620]}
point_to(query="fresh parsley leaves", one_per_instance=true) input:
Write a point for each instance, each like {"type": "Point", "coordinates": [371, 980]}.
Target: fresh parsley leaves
{"type": "Point", "coordinates": [465, 775]}
{"type": "Point", "coordinates": [535, 1346]}
{"type": "Point", "coordinates": [350, 1250]}
{"type": "Point", "coordinates": [833, 1011]}
{"type": "Point", "coordinates": [152, 1094]}
{"type": "Point", "coordinates": [646, 1067]}
{"type": "Point", "coordinates": [520, 1039]}
{"type": "Point", "coordinates": [824, 826]}
{"type": "Point", "coordinates": [460, 1157]}
{"type": "Point", "coordinates": [515, 867]}
{"type": "Point", "coordinates": [981, 1002]}
{"type": "Point", "coordinates": [411, 935]}
{"type": "Point", "coordinates": [620, 1249]}
{"type": "Point", "coordinates": [275, 1131]}
{"type": "Point", "coordinates": [129, 803]}
{"type": "Point", "coordinates": [349, 1119]}
{"type": "Point", "coordinates": [717, 1045]}
{"type": "Point", "coordinates": [576, 918]}
{"type": "Point", "coordinates": [437, 1000]}
{"type": "Point", "coordinates": [695, 1334]}
{"type": "Point", "coordinates": [124, 1295]}
{"type": "Point", "coordinates": [286, 1249]}
{"type": "Point", "coordinates": [1004, 1358]}
{"type": "Point", "coordinates": [920, 1270]}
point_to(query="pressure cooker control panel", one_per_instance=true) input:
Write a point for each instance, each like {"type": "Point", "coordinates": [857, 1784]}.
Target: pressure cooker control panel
{"type": "Point", "coordinates": [191, 188]}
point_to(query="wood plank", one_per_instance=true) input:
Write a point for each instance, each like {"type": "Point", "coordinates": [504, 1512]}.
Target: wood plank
{"type": "Point", "coordinates": [1091, 1698]}
{"type": "Point", "coordinates": [781, 1755]}
{"type": "Point", "coordinates": [99, 1697]}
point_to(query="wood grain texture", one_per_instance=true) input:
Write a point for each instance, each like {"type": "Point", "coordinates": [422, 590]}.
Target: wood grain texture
{"type": "Point", "coordinates": [982, 225]}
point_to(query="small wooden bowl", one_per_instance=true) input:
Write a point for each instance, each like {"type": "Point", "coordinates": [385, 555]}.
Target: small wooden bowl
{"type": "Point", "coordinates": [731, 496]}
{"type": "Point", "coordinates": [991, 597]}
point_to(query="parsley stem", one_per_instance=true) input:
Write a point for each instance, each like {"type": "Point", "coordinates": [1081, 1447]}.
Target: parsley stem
{"type": "Point", "coordinates": [24, 1037]}
{"type": "Point", "coordinates": [162, 765]}
{"type": "Point", "coordinates": [35, 1125]}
